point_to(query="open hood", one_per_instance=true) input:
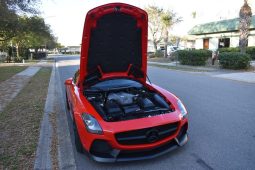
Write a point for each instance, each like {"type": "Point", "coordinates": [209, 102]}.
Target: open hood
{"type": "Point", "coordinates": [114, 43]}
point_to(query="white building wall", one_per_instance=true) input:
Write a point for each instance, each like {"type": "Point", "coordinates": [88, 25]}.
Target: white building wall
{"type": "Point", "coordinates": [214, 39]}
{"type": "Point", "coordinates": [234, 41]}
{"type": "Point", "coordinates": [251, 40]}
{"type": "Point", "coordinates": [213, 43]}
{"type": "Point", "coordinates": [199, 44]}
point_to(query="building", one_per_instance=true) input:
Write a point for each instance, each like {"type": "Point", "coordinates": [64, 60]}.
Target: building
{"type": "Point", "coordinates": [220, 34]}
{"type": "Point", "coordinates": [185, 42]}
{"type": "Point", "coordinates": [70, 50]}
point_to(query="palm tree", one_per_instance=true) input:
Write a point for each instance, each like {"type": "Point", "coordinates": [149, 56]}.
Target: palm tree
{"type": "Point", "coordinates": [167, 22]}
{"type": "Point", "coordinates": [155, 27]}
{"type": "Point", "coordinates": [168, 19]}
{"type": "Point", "coordinates": [245, 15]}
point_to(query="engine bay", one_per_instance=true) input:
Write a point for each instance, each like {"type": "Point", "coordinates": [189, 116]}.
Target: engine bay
{"type": "Point", "coordinates": [125, 103]}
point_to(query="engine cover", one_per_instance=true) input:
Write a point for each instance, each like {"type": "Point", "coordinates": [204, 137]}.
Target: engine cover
{"type": "Point", "coordinates": [122, 98]}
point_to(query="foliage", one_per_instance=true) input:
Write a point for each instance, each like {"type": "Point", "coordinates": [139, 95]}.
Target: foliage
{"type": "Point", "coordinates": [32, 33]}
{"type": "Point", "coordinates": [160, 22]}
{"type": "Point", "coordinates": [155, 28]}
{"type": "Point", "coordinates": [27, 6]}
{"type": "Point", "coordinates": [229, 49]}
{"type": "Point", "coordinates": [8, 22]}
{"type": "Point", "coordinates": [193, 57]}
{"type": "Point", "coordinates": [8, 71]}
{"type": "Point", "coordinates": [20, 32]}
{"type": "Point", "coordinates": [249, 50]}
{"type": "Point", "coordinates": [158, 54]}
{"type": "Point", "coordinates": [10, 10]}
{"type": "Point", "coordinates": [168, 19]}
{"type": "Point", "coordinates": [245, 15]}
{"type": "Point", "coordinates": [234, 60]}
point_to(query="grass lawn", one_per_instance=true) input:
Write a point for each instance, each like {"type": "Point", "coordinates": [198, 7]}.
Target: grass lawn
{"type": "Point", "coordinates": [20, 123]}
{"type": "Point", "coordinates": [7, 71]}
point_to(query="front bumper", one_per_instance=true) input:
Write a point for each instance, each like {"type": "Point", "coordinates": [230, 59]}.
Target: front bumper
{"type": "Point", "coordinates": [114, 155]}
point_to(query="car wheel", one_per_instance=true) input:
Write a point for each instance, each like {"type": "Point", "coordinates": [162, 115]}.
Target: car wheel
{"type": "Point", "coordinates": [67, 103]}
{"type": "Point", "coordinates": [77, 140]}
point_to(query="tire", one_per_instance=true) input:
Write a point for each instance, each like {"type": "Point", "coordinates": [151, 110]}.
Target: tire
{"type": "Point", "coordinates": [77, 140]}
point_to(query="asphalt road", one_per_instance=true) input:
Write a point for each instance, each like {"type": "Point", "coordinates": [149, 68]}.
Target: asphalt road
{"type": "Point", "coordinates": [221, 122]}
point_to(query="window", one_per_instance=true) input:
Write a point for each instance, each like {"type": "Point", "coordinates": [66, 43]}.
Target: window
{"type": "Point", "coordinates": [224, 42]}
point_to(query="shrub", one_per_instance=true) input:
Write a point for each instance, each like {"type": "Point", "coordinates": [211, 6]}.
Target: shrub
{"type": "Point", "coordinates": [229, 49]}
{"type": "Point", "coordinates": [234, 60]}
{"type": "Point", "coordinates": [193, 57]}
{"type": "Point", "coordinates": [40, 55]}
{"type": "Point", "coordinates": [159, 54]}
{"type": "Point", "coordinates": [249, 50]}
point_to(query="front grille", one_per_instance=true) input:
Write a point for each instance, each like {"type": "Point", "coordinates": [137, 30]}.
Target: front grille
{"type": "Point", "coordinates": [147, 135]}
{"type": "Point", "coordinates": [147, 153]}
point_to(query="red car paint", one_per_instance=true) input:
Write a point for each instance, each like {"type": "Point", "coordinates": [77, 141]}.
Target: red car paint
{"type": "Point", "coordinates": [79, 104]}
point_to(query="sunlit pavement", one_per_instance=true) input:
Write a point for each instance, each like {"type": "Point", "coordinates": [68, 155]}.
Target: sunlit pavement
{"type": "Point", "coordinates": [248, 77]}
{"type": "Point", "coordinates": [10, 88]}
{"type": "Point", "coordinates": [221, 117]}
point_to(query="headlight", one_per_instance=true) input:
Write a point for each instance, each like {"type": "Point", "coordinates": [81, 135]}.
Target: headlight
{"type": "Point", "coordinates": [91, 124]}
{"type": "Point", "coordinates": [182, 108]}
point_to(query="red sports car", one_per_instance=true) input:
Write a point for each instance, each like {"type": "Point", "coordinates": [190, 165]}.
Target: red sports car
{"type": "Point", "coordinates": [118, 115]}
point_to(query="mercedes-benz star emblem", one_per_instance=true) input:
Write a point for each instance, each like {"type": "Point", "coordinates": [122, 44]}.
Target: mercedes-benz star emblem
{"type": "Point", "coordinates": [152, 135]}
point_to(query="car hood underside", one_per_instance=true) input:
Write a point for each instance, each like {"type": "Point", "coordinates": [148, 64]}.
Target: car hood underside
{"type": "Point", "coordinates": [114, 42]}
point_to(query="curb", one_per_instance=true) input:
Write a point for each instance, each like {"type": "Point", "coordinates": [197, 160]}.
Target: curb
{"type": "Point", "coordinates": [43, 157]}
{"type": "Point", "coordinates": [54, 104]}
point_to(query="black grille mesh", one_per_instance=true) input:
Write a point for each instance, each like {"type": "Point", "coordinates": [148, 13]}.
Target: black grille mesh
{"type": "Point", "coordinates": [141, 136]}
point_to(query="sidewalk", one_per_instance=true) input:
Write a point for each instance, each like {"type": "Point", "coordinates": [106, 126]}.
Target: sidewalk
{"type": "Point", "coordinates": [11, 87]}
{"type": "Point", "coordinates": [41, 63]}
{"type": "Point", "coordinates": [248, 77]}
{"type": "Point", "coordinates": [243, 76]}
{"type": "Point", "coordinates": [177, 65]}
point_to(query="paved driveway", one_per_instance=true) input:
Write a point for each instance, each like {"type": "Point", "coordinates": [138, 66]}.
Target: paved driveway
{"type": "Point", "coordinates": [221, 117]}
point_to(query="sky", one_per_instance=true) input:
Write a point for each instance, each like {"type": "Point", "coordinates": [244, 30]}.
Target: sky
{"type": "Point", "coordinates": [66, 17]}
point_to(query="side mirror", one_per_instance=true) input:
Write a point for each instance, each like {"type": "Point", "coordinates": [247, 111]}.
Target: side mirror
{"type": "Point", "coordinates": [68, 81]}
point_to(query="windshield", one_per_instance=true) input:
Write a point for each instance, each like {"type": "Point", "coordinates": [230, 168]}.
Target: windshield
{"type": "Point", "coordinates": [116, 83]}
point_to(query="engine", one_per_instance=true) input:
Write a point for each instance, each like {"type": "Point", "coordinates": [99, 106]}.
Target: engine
{"type": "Point", "coordinates": [122, 98]}
{"type": "Point", "coordinates": [126, 104]}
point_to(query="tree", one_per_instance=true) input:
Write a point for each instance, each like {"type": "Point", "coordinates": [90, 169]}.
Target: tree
{"type": "Point", "coordinates": [33, 33]}
{"type": "Point", "coordinates": [155, 26]}
{"type": "Point", "coordinates": [168, 19]}
{"type": "Point", "coordinates": [27, 6]}
{"type": "Point", "coordinates": [8, 20]}
{"type": "Point", "coordinates": [160, 22]}
{"type": "Point", "coordinates": [9, 16]}
{"type": "Point", "coordinates": [245, 15]}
